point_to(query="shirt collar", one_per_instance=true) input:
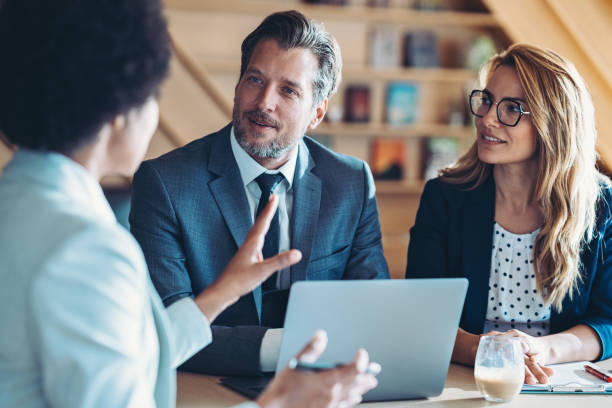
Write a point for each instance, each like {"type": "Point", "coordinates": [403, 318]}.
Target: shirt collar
{"type": "Point", "coordinates": [58, 172]}
{"type": "Point", "coordinates": [249, 168]}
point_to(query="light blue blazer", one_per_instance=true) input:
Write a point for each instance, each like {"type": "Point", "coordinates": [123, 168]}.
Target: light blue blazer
{"type": "Point", "coordinates": [82, 325]}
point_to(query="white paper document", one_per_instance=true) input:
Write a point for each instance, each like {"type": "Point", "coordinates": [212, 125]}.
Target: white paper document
{"type": "Point", "coordinates": [571, 378]}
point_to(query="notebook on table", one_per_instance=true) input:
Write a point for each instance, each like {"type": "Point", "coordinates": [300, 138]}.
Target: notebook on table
{"type": "Point", "coordinates": [571, 378]}
{"type": "Point", "coordinates": [408, 326]}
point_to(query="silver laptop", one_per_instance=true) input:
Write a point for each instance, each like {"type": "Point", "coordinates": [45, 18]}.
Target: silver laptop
{"type": "Point", "coordinates": [408, 326]}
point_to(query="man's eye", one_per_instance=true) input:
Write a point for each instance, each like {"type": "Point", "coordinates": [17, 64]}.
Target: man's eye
{"type": "Point", "coordinates": [253, 79]}
{"type": "Point", "coordinates": [485, 101]}
{"type": "Point", "coordinates": [289, 91]}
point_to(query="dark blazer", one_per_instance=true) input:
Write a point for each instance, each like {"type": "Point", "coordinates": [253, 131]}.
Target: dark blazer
{"type": "Point", "coordinates": [453, 237]}
{"type": "Point", "coordinates": [190, 214]}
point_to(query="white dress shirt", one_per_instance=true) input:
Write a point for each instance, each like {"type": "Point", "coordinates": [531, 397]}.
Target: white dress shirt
{"type": "Point", "coordinates": [81, 323]}
{"type": "Point", "coordinates": [249, 170]}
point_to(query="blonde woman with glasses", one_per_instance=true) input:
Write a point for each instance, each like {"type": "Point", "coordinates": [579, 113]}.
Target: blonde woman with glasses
{"type": "Point", "coordinates": [525, 216]}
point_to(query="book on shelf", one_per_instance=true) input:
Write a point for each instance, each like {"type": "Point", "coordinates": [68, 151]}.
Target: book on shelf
{"type": "Point", "coordinates": [329, 2]}
{"type": "Point", "coordinates": [479, 50]}
{"type": "Point", "coordinates": [334, 113]}
{"type": "Point", "coordinates": [438, 152]}
{"type": "Point", "coordinates": [357, 103]}
{"type": "Point", "coordinates": [456, 112]}
{"type": "Point", "coordinates": [387, 159]}
{"type": "Point", "coordinates": [429, 5]}
{"type": "Point", "coordinates": [383, 46]}
{"type": "Point", "coordinates": [378, 3]}
{"type": "Point", "coordinates": [421, 49]}
{"type": "Point", "coordinates": [402, 103]}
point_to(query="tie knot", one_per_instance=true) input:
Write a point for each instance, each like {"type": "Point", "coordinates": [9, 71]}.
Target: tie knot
{"type": "Point", "coordinates": [268, 182]}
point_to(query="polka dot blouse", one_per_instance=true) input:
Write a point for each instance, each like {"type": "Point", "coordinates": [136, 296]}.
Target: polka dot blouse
{"type": "Point", "coordinates": [514, 301]}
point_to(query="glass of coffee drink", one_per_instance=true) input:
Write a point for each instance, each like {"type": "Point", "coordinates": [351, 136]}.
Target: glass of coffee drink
{"type": "Point", "coordinates": [499, 370]}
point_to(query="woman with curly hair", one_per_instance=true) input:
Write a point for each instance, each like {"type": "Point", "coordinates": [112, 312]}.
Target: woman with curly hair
{"type": "Point", "coordinates": [525, 216]}
{"type": "Point", "coordinates": [82, 324]}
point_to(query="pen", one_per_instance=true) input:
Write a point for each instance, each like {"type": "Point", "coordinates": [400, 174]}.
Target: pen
{"type": "Point", "coordinates": [597, 373]}
{"type": "Point", "coordinates": [295, 364]}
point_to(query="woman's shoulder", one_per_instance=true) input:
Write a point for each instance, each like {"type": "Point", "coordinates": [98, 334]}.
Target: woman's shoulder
{"type": "Point", "coordinates": [99, 249]}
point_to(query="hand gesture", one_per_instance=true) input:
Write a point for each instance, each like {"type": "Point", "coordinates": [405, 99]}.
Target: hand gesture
{"type": "Point", "coordinates": [247, 269]}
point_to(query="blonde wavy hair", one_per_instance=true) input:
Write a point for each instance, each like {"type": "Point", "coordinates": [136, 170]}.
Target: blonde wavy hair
{"type": "Point", "coordinates": [568, 182]}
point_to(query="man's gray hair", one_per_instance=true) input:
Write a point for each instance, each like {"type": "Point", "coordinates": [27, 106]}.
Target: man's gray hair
{"type": "Point", "coordinates": [291, 29]}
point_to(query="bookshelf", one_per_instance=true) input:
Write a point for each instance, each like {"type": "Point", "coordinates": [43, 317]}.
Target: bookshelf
{"type": "Point", "coordinates": [343, 129]}
{"type": "Point", "coordinates": [362, 71]}
{"type": "Point", "coordinates": [208, 34]}
{"type": "Point", "coordinates": [352, 11]}
{"type": "Point", "coordinates": [441, 89]}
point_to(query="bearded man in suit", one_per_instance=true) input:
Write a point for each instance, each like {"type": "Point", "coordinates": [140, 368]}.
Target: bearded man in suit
{"type": "Point", "coordinates": [192, 208]}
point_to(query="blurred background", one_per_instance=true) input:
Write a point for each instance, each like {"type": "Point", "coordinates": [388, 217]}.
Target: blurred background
{"type": "Point", "coordinates": [408, 68]}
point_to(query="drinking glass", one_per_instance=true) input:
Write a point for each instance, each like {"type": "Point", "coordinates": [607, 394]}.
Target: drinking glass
{"type": "Point", "coordinates": [499, 369]}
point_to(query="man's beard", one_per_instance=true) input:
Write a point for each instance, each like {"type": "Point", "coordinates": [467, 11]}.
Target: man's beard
{"type": "Point", "coordinates": [274, 149]}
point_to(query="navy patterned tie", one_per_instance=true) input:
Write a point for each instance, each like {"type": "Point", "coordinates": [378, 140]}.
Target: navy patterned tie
{"type": "Point", "coordinates": [267, 183]}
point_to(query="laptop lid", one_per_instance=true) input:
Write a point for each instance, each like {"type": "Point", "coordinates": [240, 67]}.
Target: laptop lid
{"type": "Point", "coordinates": [408, 326]}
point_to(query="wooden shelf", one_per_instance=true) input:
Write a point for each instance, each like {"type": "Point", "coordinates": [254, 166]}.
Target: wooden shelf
{"type": "Point", "coordinates": [366, 73]}
{"type": "Point", "coordinates": [409, 131]}
{"type": "Point", "coordinates": [398, 16]}
{"type": "Point", "coordinates": [387, 187]}
{"type": "Point", "coordinates": [409, 74]}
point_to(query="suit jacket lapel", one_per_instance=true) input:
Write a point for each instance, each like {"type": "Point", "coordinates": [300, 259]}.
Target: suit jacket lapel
{"type": "Point", "coordinates": [228, 191]}
{"type": "Point", "coordinates": [227, 188]}
{"type": "Point", "coordinates": [477, 241]}
{"type": "Point", "coordinates": [306, 204]}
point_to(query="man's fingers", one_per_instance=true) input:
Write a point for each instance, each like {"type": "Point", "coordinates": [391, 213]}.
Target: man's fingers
{"type": "Point", "coordinates": [374, 368]}
{"type": "Point", "coordinates": [281, 261]}
{"type": "Point", "coordinates": [262, 223]}
{"type": "Point", "coordinates": [314, 348]}
{"type": "Point", "coordinates": [361, 360]}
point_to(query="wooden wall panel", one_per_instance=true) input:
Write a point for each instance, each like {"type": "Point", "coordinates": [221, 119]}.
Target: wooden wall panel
{"type": "Point", "coordinates": [189, 110]}
{"type": "Point", "coordinates": [160, 144]}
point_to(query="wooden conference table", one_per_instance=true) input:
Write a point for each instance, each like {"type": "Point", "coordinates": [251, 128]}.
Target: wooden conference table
{"type": "Point", "coordinates": [459, 391]}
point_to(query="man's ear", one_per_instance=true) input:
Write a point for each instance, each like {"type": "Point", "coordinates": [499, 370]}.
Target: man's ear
{"type": "Point", "coordinates": [319, 113]}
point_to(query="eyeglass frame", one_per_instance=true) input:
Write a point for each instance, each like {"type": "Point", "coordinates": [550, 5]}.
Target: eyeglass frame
{"type": "Point", "coordinates": [515, 100]}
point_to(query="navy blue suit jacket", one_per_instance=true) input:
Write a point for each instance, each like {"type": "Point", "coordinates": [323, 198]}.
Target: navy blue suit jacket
{"type": "Point", "coordinates": [453, 237]}
{"type": "Point", "coordinates": [190, 214]}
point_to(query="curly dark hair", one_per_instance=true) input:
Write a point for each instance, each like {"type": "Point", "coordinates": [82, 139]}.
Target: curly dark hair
{"type": "Point", "coordinates": [69, 66]}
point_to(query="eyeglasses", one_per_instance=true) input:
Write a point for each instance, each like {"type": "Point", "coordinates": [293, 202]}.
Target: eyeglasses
{"type": "Point", "coordinates": [509, 110]}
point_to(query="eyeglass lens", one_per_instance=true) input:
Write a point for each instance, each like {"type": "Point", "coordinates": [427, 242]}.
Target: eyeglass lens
{"type": "Point", "coordinates": [508, 111]}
